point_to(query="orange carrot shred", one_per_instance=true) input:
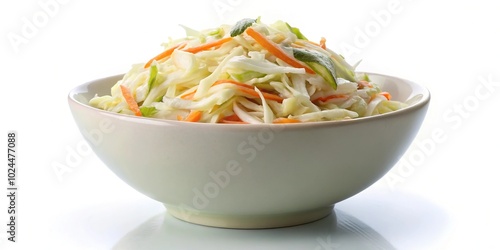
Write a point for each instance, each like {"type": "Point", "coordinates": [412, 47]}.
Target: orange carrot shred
{"type": "Point", "coordinates": [283, 120]}
{"type": "Point", "coordinates": [364, 84]}
{"type": "Point", "coordinates": [132, 104]}
{"type": "Point", "coordinates": [232, 119]}
{"type": "Point", "coordinates": [387, 95]}
{"type": "Point", "coordinates": [276, 50]}
{"type": "Point", "coordinates": [209, 45]}
{"type": "Point", "coordinates": [248, 89]}
{"type": "Point", "coordinates": [327, 98]}
{"type": "Point", "coordinates": [384, 94]}
{"type": "Point", "coordinates": [322, 43]}
{"type": "Point", "coordinates": [188, 96]}
{"type": "Point", "coordinates": [194, 116]}
{"type": "Point", "coordinates": [164, 54]}
{"type": "Point", "coordinates": [245, 88]}
{"type": "Point", "coordinates": [266, 95]}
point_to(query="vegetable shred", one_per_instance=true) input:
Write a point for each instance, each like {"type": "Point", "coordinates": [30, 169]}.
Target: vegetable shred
{"type": "Point", "coordinates": [247, 73]}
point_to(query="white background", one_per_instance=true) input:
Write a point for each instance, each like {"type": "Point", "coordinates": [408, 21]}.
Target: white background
{"type": "Point", "coordinates": [442, 195]}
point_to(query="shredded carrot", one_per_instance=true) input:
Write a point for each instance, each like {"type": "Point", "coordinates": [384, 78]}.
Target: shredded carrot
{"type": "Point", "coordinates": [188, 96]}
{"type": "Point", "coordinates": [207, 46]}
{"type": "Point", "coordinates": [245, 88]}
{"type": "Point", "coordinates": [132, 104]}
{"type": "Point", "coordinates": [232, 119]}
{"type": "Point", "coordinates": [194, 116]}
{"type": "Point", "coordinates": [364, 84]}
{"type": "Point", "coordinates": [327, 98]}
{"type": "Point", "coordinates": [313, 43]}
{"type": "Point", "coordinates": [276, 50]}
{"type": "Point", "coordinates": [384, 94]}
{"type": "Point", "coordinates": [266, 95]}
{"type": "Point", "coordinates": [164, 54]}
{"type": "Point", "coordinates": [283, 120]}
{"type": "Point", "coordinates": [387, 95]}
{"type": "Point", "coordinates": [322, 43]}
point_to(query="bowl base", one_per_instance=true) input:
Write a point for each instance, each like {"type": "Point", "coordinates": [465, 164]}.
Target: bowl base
{"type": "Point", "coordinates": [249, 221]}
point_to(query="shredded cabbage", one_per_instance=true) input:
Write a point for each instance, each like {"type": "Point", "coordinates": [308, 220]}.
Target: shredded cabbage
{"type": "Point", "coordinates": [233, 76]}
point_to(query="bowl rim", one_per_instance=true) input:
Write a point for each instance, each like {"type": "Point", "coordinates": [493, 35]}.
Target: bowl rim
{"type": "Point", "coordinates": [422, 102]}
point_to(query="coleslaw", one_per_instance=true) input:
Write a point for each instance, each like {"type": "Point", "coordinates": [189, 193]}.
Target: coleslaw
{"type": "Point", "coordinates": [249, 72]}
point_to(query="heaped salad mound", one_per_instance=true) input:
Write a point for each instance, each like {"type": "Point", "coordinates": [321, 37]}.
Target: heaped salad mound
{"type": "Point", "coordinates": [246, 73]}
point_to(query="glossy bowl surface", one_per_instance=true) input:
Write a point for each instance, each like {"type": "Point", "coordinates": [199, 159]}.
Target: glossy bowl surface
{"type": "Point", "coordinates": [250, 176]}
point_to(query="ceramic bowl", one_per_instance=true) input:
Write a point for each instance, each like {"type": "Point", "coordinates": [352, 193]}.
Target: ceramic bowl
{"type": "Point", "coordinates": [250, 176]}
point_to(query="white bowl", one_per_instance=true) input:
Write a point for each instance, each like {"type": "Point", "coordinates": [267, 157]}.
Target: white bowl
{"type": "Point", "coordinates": [250, 176]}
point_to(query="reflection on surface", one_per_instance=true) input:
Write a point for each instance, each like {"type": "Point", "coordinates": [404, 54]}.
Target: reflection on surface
{"type": "Point", "coordinates": [336, 231]}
